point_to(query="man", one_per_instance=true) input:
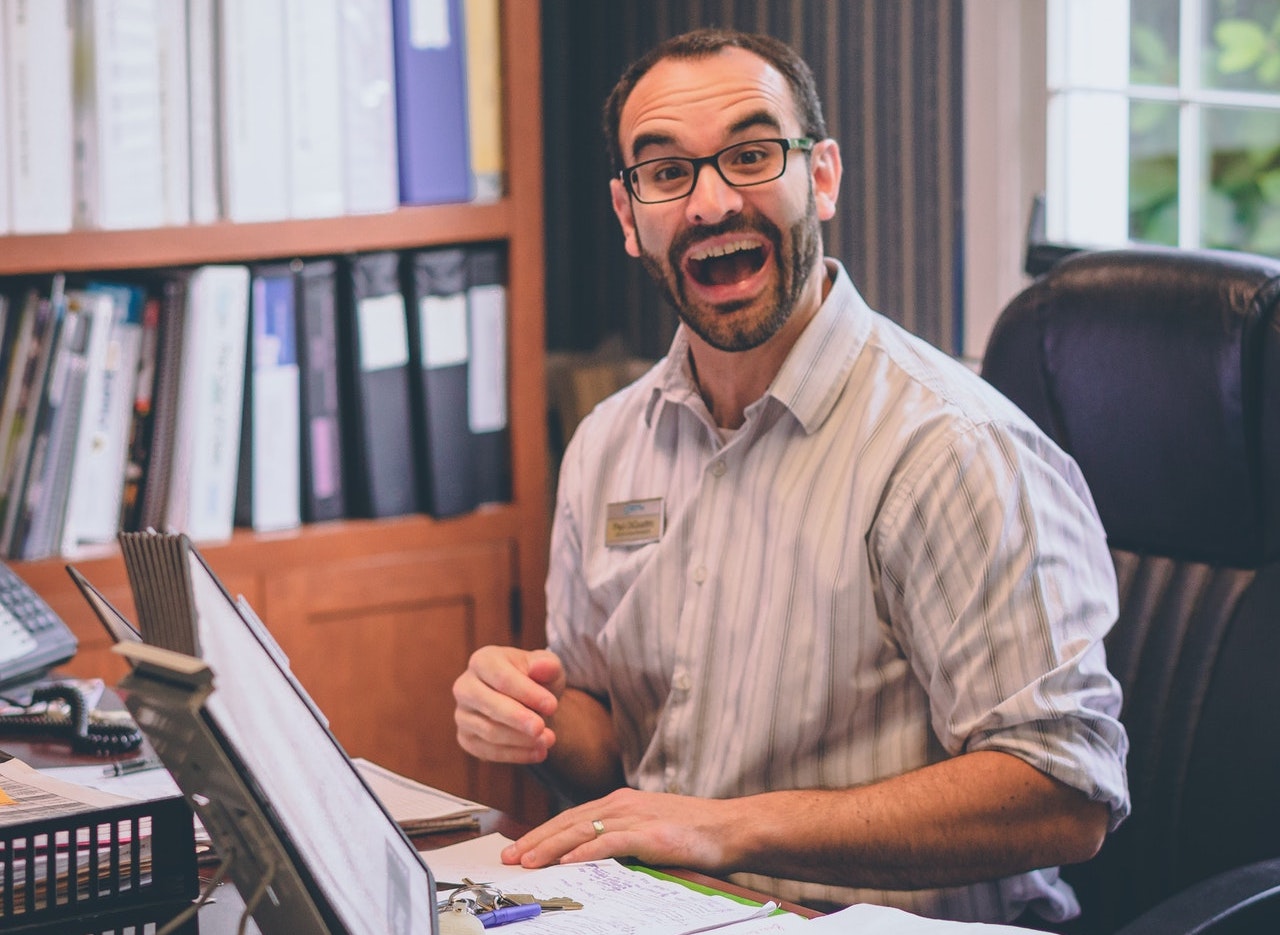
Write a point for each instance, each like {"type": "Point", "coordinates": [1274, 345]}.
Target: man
{"type": "Point", "coordinates": [824, 609]}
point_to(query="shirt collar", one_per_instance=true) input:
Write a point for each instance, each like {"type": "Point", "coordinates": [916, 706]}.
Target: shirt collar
{"type": "Point", "coordinates": [813, 374]}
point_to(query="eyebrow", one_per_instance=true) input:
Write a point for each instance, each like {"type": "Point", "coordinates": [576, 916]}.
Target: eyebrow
{"type": "Point", "coordinates": [759, 118]}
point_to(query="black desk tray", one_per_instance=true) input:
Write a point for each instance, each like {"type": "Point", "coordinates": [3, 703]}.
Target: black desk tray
{"type": "Point", "coordinates": [76, 870]}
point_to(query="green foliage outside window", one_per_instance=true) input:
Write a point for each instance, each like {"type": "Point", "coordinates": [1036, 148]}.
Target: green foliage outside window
{"type": "Point", "coordinates": [1241, 205]}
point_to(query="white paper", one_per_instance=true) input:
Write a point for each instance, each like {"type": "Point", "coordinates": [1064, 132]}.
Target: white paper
{"type": "Point", "coordinates": [615, 899]}
{"type": "Point", "coordinates": [443, 326]}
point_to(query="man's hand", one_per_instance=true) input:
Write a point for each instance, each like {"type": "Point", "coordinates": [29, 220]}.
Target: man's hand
{"type": "Point", "coordinates": [656, 828]}
{"type": "Point", "coordinates": [504, 702]}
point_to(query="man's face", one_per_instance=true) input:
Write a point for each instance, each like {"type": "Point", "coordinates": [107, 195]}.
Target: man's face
{"type": "Point", "coordinates": [735, 262]}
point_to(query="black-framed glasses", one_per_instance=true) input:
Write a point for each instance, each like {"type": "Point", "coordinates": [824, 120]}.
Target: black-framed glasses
{"type": "Point", "coordinates": [743, 164]}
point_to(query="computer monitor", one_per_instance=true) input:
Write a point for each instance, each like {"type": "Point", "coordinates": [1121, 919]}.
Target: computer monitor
{"type": "Point", "coordinates": [310, 848]}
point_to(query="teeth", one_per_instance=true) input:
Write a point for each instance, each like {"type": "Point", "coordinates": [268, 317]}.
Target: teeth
{"type": "Point", "coordinates": [722, 250]}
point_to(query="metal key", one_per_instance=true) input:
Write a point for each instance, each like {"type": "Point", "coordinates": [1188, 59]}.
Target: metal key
{"type": "Point", "coordinates": [558, 902]}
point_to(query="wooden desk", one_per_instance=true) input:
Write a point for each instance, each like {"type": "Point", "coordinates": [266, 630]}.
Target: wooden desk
{"type": "Point", "coordinates": [222, 915]}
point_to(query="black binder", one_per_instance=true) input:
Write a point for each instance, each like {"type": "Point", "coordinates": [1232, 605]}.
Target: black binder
{"type": "Point", "coordinates": [487, 394]}
{"type": "Point", "coordinates": [374, 355]}
{"type": "Point", "coordinates": [436, 282]}
{"type": "Point", "coordinates": [320, 402]}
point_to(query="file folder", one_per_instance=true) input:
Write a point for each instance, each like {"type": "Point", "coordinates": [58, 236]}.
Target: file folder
{"type": "Point", "coordinates": [431, 102]}
{"type": "Point", "coordinates": [487, 379]}
{"type": "Point", "coordinates": [440, 353]}
{"type": "Point", "coordinates": [320, 402]}
{"type": "Point", "coordinates": [375, 351]}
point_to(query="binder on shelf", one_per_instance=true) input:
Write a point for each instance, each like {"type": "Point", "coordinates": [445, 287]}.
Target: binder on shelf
{"type": "Point", "coordinates": [375, 355]}
{"type": "Point", "coordinates": [431, 102]}
{"type": "Point", "coordinates": [175, 108]}
{"type": "Point", "coordinates": [320, 402]}
{"type": "Point", "coordinates": [487, 377]}
{"type": "Point", "coordinates": [484, 98]}
{"type": "Point", "coordinates": [368, 105]}
{"type": "Point", "coordinates": [254, 104]}
{"type": "Point", "coordinates": [267, 492]}
{"type": "Point", "coordinates": [38, 59]}
{"type": "Point", "coordinates": [206, 440]}
{"type": "Point", "coordinates": [313, 79]}
{"type": "Point", "coordinates": [440, 354]}
{"type": "Point", "coordinates": [205, 143]}
{"type": "Point", "coordinates": [96, 484]}
{"type": "Point", "coordinates": [119, 144]}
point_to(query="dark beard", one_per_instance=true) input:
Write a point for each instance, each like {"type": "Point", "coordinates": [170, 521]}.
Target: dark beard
{"type": "Point", "coordinates": [795, 267]}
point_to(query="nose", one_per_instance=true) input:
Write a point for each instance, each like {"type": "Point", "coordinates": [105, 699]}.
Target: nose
{"type": "Point", "coordinates": [712, 199]}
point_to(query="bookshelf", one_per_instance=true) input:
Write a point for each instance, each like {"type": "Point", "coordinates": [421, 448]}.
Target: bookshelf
{"type": "Point", "coordinates": [377, 616]}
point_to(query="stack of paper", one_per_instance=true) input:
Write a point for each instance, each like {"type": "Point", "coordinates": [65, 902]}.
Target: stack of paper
{"type": "Point", "coordinates": [418, 809]}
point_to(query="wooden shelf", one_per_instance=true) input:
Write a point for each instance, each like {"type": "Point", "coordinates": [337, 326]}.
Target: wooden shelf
{"type": "Point", "coordinates": [429, 225]}
{"type": "Point", "coordinates": [377, 616]}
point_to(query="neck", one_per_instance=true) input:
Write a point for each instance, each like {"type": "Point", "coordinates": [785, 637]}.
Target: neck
{"type": "Point", "coordinates": [730, 381]}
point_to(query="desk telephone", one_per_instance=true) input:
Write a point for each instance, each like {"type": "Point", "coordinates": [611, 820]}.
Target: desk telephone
{"type": "Point", "coordinates": [33, 639]}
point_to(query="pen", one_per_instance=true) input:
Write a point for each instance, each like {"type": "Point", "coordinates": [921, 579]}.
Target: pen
{"type": "Point", "coordinates": [125, 767]}
{"type": "Point", "coordinates": [504, 914]}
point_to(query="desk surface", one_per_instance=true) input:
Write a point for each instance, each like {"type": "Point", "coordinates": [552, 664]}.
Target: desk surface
{"type": "Point", "coordinates": [222, 915]}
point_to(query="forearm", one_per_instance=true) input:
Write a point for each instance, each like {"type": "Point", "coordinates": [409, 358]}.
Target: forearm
{"type": "Point", "coordinates": [584, 758]}
{"type": "Point", "coordinates": [977, 817]}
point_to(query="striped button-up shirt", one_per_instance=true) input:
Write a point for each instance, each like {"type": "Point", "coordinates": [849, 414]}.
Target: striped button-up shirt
{"type": "Point", "coordinates": [886, 566]}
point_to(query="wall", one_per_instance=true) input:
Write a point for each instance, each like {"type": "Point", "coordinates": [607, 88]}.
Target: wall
{"type": "Point", "coordinates": [889, 72]}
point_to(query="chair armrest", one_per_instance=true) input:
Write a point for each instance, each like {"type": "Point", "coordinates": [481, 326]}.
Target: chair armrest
{"type": "Point", "coordinates": [1203, 907]}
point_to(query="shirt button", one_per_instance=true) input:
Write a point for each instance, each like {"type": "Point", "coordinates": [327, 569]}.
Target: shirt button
{"type": "Point", "coordinates": [681, 682]}
{"type": "Point", "coordinates": [700, 574]}
{"type": "Point", "coordinates": [718, 468]}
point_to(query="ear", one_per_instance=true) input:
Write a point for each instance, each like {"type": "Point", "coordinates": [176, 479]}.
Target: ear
{"type": "Point", "coordinates": [622, 207]}
{"type": "Point", "coordinates": [826, 169]}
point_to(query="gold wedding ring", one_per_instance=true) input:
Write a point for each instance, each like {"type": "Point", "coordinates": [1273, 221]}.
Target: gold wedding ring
{"type": "Point", "coordinates": [598, 827]}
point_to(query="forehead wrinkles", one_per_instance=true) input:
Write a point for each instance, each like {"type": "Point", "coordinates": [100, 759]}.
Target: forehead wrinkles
{"type": "Point", "coordinates": [691, 99]}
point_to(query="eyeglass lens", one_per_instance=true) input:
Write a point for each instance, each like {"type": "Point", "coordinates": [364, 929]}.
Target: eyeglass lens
{"type": "Point", "coordinates": [751, 163]}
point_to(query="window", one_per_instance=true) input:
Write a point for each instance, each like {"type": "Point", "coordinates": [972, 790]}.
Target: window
{"type": "Point", "coordinates": [1145, 120]}
{"type": "Point", "coordinates": [1164, 123]}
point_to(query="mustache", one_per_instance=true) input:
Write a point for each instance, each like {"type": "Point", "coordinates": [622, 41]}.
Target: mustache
{"type": "Point", "coordinates": [738, 223]}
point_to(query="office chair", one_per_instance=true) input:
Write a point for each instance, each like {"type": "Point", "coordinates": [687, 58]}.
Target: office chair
{"type": "Point", "coordinates": [1158, 370]}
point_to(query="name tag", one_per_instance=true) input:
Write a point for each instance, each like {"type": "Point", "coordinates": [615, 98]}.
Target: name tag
{"type": "Point", "coordinates": [634, 522]}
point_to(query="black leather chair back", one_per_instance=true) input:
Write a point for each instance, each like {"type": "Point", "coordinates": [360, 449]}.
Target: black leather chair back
{"type": "Point", "coordinates": [1158, 370]}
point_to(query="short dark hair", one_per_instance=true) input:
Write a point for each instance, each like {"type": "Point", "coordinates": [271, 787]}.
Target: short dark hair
{"type": "Point", "coordinates": [701, 43]}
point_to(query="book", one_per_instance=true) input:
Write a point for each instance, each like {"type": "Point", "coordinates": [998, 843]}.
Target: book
{"type": "Point", "coordinates": [20, 431]}
{"type": "Point", "coordinates": [43, 504]}
{"type": "Point", "coordinates": [267, 494]}
{"type": "Point", "coordinates": [484, 98]}
{"type": "Point", "coordinates": [141, 417]}
{"type": "Point", "coordinates": [38, 60]}
{"type": "Point", "coordinates": [119, 148]}
{"type": "Point", "coordinates": [320, 417]}
{"type": "Point", "coordinates": [254, 128]}
{"type": "Point", "coordinates": [487, 376]}
{"type": "Point", "coordinates": [368, 106]}
{"type": "Point", "coordinates": [431, 102]}
{"type": "Point", "coordinates": [203, 115]}
{"type": "Point", "coordinates": [440, 354]}
{"type": "Point", "coordinates": [313, 77]}
{"type": "Point", "coordinates": [96, 484]}
{"type": "Point", "coordinates": [206, 439]}
{"type": "Point", "coordinates": [5, 213]}
{"type": "Point", "coordinates": [374, 358]}
{"type": "Point", "coordinates": [151, 445]}
{"type": "Point", "coordinates": [175, 112]}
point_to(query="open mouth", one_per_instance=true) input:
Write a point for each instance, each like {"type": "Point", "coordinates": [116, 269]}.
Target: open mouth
{"type": "Point", "coordinates": [726, 263]}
